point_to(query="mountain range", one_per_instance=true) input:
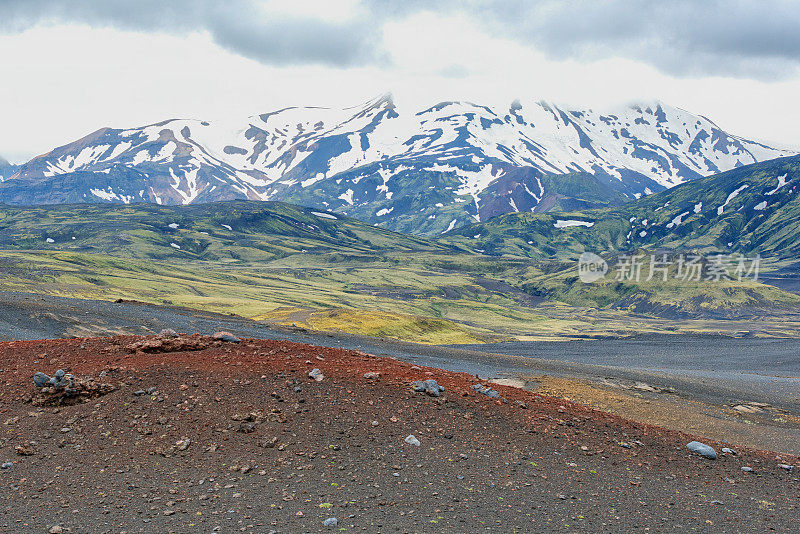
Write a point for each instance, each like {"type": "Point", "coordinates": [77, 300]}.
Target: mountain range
{"type": "Point", "coordinates": [422, 171]}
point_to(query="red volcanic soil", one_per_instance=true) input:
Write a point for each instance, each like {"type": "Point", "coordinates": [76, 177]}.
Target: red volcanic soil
{"type": "Point", "coordinates": [200, 435]}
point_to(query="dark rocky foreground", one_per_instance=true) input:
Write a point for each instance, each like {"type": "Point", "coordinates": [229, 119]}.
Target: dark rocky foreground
{"type": "Point", "coordinates": [197, 434]}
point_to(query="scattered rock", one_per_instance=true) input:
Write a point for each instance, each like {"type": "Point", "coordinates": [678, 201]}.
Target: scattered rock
{"type": "Point", "coordinates": [316, 374]}
{"type": "Point", "coordinates": [227, 337]}
{"type": "Point", "coordinates": [183, 444]}
{"type": "Point", "coordinates": [430, 386]}
{"type": "Point", "coordinates": [702, 449]}
{"type": "Point", "coordinates": [7, 465]}
{"type": "Point", "coordinates": [412, 440]}
{"type": "Point", "coordinates": [372, 375]}
{"type": "Point", "coordinates": [741, 408]}
{"type": "Point", "coordinates": [55, 529]}
{"type": "Point", "coordinates": [643, 386]}
{"type": "Point", "coordinates": [747, 469]}
{"type": "Point", "coordinates": [330, 522]}
{"type": "Point", "coordinates": [787, 467]}
{"type": "Point", "coordinates": [59, 380]}
{"type": "Point", "coordinates": [246, 427]}
{"type": "Point", "coordinates": [40, 380]}
{"type": "Point", "coordinates": [726, 450]}
{"type": "Point", "coordinates": [486, 390]}
{"type": "Point", "coordinates": [162, 345]}
{"type": "Point", "coordinates": [168, 332]}
{"type": "Point", "coordinates": [269, 443]}
{"type": "Point", "coordinates": [25, 450]}
{"type": "Point", "coordinates": [65, 389]}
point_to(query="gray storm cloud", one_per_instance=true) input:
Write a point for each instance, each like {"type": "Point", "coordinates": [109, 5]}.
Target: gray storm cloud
{"type": "Point", "coordinates": [757, 38]}
{"type": "Point", "coordinates": [238, 25]}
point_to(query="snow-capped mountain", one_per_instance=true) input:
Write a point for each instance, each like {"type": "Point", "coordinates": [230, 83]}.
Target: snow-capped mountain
{"type": "Point", "coordinates": [749, 210]}
{"type": "Point", "coordinates": [423, 171]}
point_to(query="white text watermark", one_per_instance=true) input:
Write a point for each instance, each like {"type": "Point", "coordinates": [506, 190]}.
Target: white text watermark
{"type": "Point", "coordinates": [686, 267]}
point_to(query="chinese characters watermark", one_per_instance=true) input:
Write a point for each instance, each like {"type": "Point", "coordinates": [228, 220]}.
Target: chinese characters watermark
{"type": "Point", "coordinates": [686, 267]}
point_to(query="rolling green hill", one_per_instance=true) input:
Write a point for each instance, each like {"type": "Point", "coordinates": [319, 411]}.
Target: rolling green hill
{"type": "Point", "coordinates": [222, 232]}
{"type": "Point", "coordinates": [289, 265]}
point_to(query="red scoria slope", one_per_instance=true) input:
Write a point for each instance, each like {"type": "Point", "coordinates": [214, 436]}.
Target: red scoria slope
{"type": "Point", "coordinates": [199, 434]}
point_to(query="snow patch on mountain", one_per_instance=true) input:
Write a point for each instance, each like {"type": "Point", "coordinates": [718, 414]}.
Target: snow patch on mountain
{"type": "Point", "coordinates": [781, 183]}
{"type": "Point", "coordinates": [734, 194]}
{"type": "Point", "coordinates": [571, 222]}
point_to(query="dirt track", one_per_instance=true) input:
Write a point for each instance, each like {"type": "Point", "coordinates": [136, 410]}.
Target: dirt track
{"type": "Point", "coordinates": [270, 449]}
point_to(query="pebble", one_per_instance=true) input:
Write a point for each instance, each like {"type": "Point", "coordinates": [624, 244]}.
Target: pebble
{"type": "Point", "coordinates": [747, 469]}
{"type": "Point", "coordinates": [372, 375]}
{"type": "Point", "coordinates": [55, 529]}
{"type": "Point", "coordinates": [7, 465]}
{"type": "Point", "coordinates": [702, 449]}
{"type": "Point", "coordinates": [330, 522]}
{"type": "Point", "coordinates": [316, 374]}
{"type": "Point", "coordinates": [168, 332]}
{"type": "Point", "coordinates": [787, 467]}
{"type": "Point", "coordinates": [412, 440]}
{"type": "Point", "coordinates": [726, 450]}
{"type": "Point", "coordinates": [24, 450]}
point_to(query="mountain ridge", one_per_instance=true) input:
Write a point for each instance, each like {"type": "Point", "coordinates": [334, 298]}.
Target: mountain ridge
{"type": "Point", "coordinates": [6, 169]}
{"type": "Point", "coordinates": [422, 171]}
{"type": "Point", "coordinates": [753, 209]}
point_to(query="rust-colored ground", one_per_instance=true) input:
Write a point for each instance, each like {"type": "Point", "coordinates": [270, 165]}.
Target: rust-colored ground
{"type": "Point", "coordinates": [237, 437]}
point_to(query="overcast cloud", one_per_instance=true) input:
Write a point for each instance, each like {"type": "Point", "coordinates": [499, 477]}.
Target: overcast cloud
{"type": "Point", "coordinates": [72, 66]}
{"type": "Point", "coordinates": [246, 27]}
{"type": "Point", "coordinates": [758, 39]}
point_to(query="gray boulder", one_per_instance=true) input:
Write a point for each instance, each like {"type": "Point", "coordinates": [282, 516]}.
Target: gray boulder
{"type": "Point", "coordinates": [702, 449]}
{"type": "Point", "coordinates": [430, 386]}
{"type": "Point", "coordinates": [41, 380]}
{"type": "Point", "coordinates": [486, 390]}
{"type": "Point", "coordinates": [316, 374]}
{"type": "Point", "coordinates": [226, 337]}
{"type": "Point", "coordinates": [411, 439]}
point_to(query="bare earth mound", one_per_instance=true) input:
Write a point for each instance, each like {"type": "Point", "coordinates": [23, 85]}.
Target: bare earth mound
{"type": "Point", "coordinates": [195, 434]}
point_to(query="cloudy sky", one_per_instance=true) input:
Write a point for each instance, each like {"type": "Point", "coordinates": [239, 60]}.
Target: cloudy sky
{"type": "Point", "coordinates": [68, 68]}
